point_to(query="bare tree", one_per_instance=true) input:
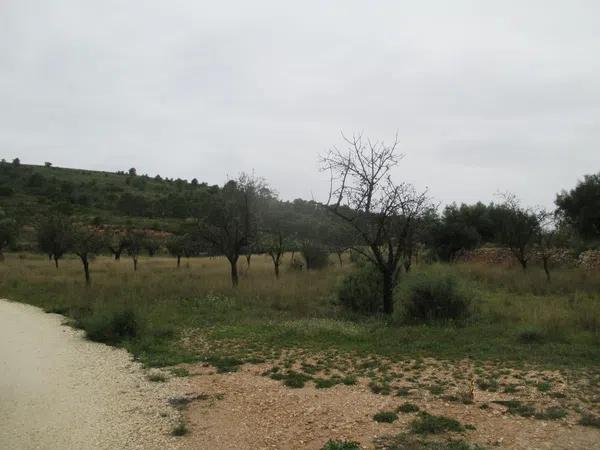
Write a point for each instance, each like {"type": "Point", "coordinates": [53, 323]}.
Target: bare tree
{"type": "Point", "coordinates": [86, 242]}
{"type": "Point", "coordinates": [382, 214]}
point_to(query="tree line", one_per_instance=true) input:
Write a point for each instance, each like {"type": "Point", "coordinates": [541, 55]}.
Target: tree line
{"type": "Point", "coordinates": [388, 224]}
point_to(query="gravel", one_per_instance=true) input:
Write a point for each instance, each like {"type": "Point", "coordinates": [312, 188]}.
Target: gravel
{"type": "Point", "coordinates": [60, 391]}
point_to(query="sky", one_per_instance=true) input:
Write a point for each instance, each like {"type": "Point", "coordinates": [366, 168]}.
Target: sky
{"type": "Point", "coordinates": [486, 97]}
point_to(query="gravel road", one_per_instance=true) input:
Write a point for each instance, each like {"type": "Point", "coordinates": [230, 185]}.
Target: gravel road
{"type": "Point", "coordinates": [60, 391]}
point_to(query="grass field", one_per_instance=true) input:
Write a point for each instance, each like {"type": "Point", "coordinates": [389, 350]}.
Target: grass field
{"type": "Point", "coordinates": [192, 313]}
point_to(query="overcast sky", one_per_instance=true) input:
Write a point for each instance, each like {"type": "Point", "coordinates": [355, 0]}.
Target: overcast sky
{"type": "Point", "coordinates": [486, 96]}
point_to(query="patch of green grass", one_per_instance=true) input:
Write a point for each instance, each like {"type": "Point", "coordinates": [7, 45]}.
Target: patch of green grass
{"type": "Point", "coordinates": [430, 424]}
{"type": "Point", "coordinates": [385, 417]}
{"type": "Point", "coordinates": [405, 441]}
{"type": "Point", "coordinates": [402, 392]}
{"type": "Point", "coordinates": [341, 445]}
{"type": "Point", "coordinates": [291, 378]}
{"type": "Point", "coordinates": [436, 389]}
{"type": "Point", "coordinates": [489, 384]}
{"type": "Point", "coordinates": [408, 408]}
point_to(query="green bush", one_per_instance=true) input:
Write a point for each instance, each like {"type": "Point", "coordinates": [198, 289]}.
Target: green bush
{"type": "Point", "coordinates": [341, 445]}
{"type": "Point", "coordinates": [361, 291]}
{"type": "Point", "coordinates": [111, 327]}
{"type": "Point", "coordinates": [385, 417]}
{"type": "Point", "coordinates": [436, 298]}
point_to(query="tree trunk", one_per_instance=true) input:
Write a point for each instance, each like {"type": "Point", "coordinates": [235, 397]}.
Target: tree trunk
{"type": "Point", "coordinates": [388, 293]}
{"type": "Point", "coordinates": [339, 255]}
{"type": "Point", "coordinates": [117, 256]}
{"type": "Point", "coordinates": [276, 267]}
{"type": "Point", "coordinates": [135, 263]}
{"type": "Point", "coordinates": [248, 258]}
{"type": "Point", "coordinates": [178, 261]}
{"type": "Point", "coordinates": [546, 268]}
{"type": "Point", "coordinates": [56, 262]}
{"type": "Point", "coordinates": [234, 272]}
{"type": "Point", "coordinates": [86, 269]}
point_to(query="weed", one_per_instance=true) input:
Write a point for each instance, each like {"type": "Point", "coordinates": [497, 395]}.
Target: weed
{"type": "Point", "coordinates": [517, 407]}
{"type": "Point", "coordinates": [349, 380]}
{"type": "Point", "coordinates": [324, 383]}
{"type": "Point", "coordinates": [553, 413]}
{"type": "Point", "coordinates": [380, 388]}
{"type": "Point", "coordinates": [157, 377]}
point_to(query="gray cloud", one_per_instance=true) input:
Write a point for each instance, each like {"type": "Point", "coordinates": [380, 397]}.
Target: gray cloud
{"type": "Point", "coordinates": [485, 96]}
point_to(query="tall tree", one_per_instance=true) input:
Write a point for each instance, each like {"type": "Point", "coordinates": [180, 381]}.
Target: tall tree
{"type": "Point", "coordinates": [55, 236]}
{"type": "Point", "coordinates": [382, 214]}
{"type": "Point", "coordinates": [135, 245]}
{"type": "Point", "coordinates": [231, 220]}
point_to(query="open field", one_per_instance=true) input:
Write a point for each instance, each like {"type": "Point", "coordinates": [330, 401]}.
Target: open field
{"type": "Point", "coordinates": [531, 348]}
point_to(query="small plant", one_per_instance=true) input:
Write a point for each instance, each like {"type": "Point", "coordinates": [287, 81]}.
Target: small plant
{"type": "Point", "coordinates": [544, 387]}
{"type": "Point", "coordinates": [361, 290]}
{"type": "Point", "coordinates": [349, 380]}
{"type": "Point", "coordinates": [589, 420]}
{"type": "Point", "coordinates": [436, 389]}
{"type": "Point", "coordinates": [517, 407]}
{"type": "Point", "coordinates": [553, 413]}
{"type": "Point", "coordinates": [111, 328]}
{"type": "Point", "coordinates": [490, 385]}
{"type": "Point", "coordinates": [402, 392]}
{"type": "Point", "coordinates": [180, 430]}
{"type": "Point", "coordinates": [324, 383]}
{"type": "Point", "coordinates": [380, 388]}
{"type": "Point", "coordinates": [429, 424]}
{"type": "Point", "coordinates": [291, 378]}
{"type": "Point", "coordinates": [157, 377]}
{"type": "Point", "coordinates": [225, 364]}
{"type": "Point", "coordinates": [408, 408]}
{"type": "Point", "coordinates": [385, 417]}
{"type": "Point", "coordinates": [341, 445]}
{"type": "Point", "coordinates": [179, 372]}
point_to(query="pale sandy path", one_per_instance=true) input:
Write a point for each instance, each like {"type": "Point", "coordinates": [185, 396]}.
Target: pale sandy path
{"type": "Point", "coordinates": [59, 391]}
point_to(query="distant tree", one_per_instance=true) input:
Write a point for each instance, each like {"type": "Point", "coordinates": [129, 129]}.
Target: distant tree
{"type": "Point", "coordinates": [316, 255]}
{"type": "Point", "coordinates": [48, 164]}
{"type": "Point", "coordinates": [194, 182]}
{"type": "Point", "coordinates": [87, 241]}
{"type": "Point", "coordinates": [519, 228]}
{"type": "Point", "coordinates": [340, 238]}
{"type": "Point", "coordinates": [452, 235]}
{"type": "Point", "coordinates": [8, 232]}
{"type": "Point", "coordinates": [580, 207]}
{"type": "Point", "coordinates": [16, 162]}
{"type": "Point", "coordinates": [132, 172]}
{"type": "Point", "coordinates": [152, 245]}
{"type": "Point", "coordinates": [116, 243]}
{"type": "Point", "coordinates": [231, 221]}
{"type": "Point", "coordinates": [176, 247]}
{"type": "Point", "coordinates": [55, 236]}
{"type": "Point", "coordinates": [275, 246]}
{"type": "Point", "coordinates": [383, 215]}
{"type": "Point", "coordinates": [135, 245]}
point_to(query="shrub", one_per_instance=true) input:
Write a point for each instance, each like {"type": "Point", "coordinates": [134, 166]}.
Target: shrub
{"type": "Point", "coordinates": [428, 424]}
{"type": "Point", "coordinates": [408, 408]}
{"type": "Point", "coordinates": [113, 327]}
{"type": "Point", "coordinates": [361, 291]}
{"type": "Point", "coordinates": [435, 298]}
{"type": "Point", "coordinates": [341, 445]}
{"type": "Point", "coordinates": [385, 416]}
{"type": "Point", "coordinates": [316, 256]}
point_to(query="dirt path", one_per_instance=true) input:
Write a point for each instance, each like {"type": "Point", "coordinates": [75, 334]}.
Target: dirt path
{"type": "Point", "coordinates": [59, 391]}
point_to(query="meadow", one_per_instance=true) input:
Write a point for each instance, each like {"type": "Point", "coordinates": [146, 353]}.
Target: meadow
{"type": "Point", "coordinates": [167, 315]}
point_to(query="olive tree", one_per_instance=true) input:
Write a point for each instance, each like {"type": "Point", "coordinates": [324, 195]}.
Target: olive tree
{"type": "Point", "coordinates": [230, 223]}
{"type": "Point", "coordinates": [54, 236]}
{"type": "Point", "coordinates": [87, 241]}
{"type": "Point", "coordinates": [383, 214]}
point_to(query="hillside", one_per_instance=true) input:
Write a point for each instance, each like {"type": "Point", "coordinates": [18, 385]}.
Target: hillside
{"type": "Point", "coordinates": [28, 192]}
